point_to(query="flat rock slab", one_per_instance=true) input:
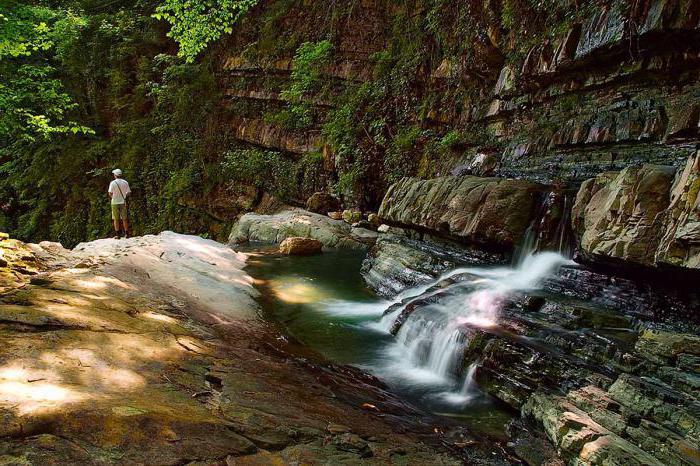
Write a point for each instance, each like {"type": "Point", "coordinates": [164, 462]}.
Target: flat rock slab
{"type": "Point", "coordinates": [142, 351]}
{"type": "Point", "coordinates": [203, 273]}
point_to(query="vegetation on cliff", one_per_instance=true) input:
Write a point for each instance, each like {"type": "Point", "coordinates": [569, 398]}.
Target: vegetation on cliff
{"type": "Point", "coordinates": [98, 87]}
{"type": "Point", "coordinates": [286, 97]}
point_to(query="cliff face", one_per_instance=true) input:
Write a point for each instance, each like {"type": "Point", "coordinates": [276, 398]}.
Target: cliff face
{"type": "Point", "coordinates": [559, 94]}
{"type": "Point", "coordinates": [351, 97]}
{"type": "Point", "coordinates": [601, 86]}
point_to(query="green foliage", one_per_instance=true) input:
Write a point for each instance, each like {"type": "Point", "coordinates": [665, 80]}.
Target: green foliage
{"type": "Point", "coordinates": [365, 120]}
{"type": "Point", "coordinates": [451, 140]}
{"type": "Point", "coordinates": [533, 20]}
{"type": "Point", "coordinates": [274, 172]}
{"type": "Point", "coordinates": [152, 115]}
{"type": "Point", "coordinates": [26, 30]}
{"type": "Point", "coordinates": [305, 83]}
{"type": "Point", "coordinates": [311, 174]}
{"type": "Point", "coordinates": [33, 102]}
{"type": "Point", "coordinates": [306, 69]}
{"type": "Point", "coordinates": [196, 23]}
{"type": "Point", "coordinates": [267, 170]}
{"type": "Point", "coordinates": [403, 154]}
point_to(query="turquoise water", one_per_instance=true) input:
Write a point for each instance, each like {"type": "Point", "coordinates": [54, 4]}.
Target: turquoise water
{"type": "Point", "coordinates": [322, 303]}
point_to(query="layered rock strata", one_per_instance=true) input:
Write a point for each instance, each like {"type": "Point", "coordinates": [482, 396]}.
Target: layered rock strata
{"type": "Point", "coordinates": [613, 87]}
{"type": "Point", "coordinates": [489, 212]}
{"type": "Point", "coordinates": [642, 215]}
{"type": "Point", "coordinates": [605, 381]}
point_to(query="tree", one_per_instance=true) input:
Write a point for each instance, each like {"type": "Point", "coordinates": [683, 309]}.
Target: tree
{"type": "Point", "coordinates": [196, 23]}
{"type": "Point", "coordinates": [33, 103]}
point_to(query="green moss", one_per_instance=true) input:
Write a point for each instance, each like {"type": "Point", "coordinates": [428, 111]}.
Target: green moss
{"type": "Point", "coordinates": [304, 86]}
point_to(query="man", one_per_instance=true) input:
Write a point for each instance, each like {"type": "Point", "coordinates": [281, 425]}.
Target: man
{"type": "Point", "coordinates": [119, 192]}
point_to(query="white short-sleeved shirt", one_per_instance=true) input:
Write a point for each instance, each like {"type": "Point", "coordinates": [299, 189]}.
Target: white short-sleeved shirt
{"type": "Point", "coordinates": [119, 189]}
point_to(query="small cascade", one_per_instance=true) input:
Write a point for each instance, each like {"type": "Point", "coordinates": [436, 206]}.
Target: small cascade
{"type": "Point", "coordinates": [433, 325]}
{"type": "Point", "coordinates": [469, 383]}
{"type": "Point", "coordinates": [425, 351]}
{"type": "Point", "coordinates": [429, 347]}
{"type": "Point", "coordinates": [550, 229]}
{"type": "Point", "coordinates": [409, 296]}
{"type": "Point", "coordinates": [563, 233]}
{"type": "Point", "coordinates": [467, 391]}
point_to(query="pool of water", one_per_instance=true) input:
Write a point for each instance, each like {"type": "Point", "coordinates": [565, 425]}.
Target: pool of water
{"type": "Point", "coordinates": [322, 303]}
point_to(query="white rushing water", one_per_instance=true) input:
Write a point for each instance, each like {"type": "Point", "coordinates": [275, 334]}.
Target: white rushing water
{"type": "Point", "coordinates": [411, 294]}
{"type": "Point", "coordinates": [428, 350]}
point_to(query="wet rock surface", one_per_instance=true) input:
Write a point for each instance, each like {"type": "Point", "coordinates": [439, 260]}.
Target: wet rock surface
{"type": "Point", "coordinates": [589, 360]}
{"type": "Point", "coordinates": [486, 211]}
{"type": "Point", "coordinates": [398, 262]}
{"type": "Point", "coordinates": [122, 353]}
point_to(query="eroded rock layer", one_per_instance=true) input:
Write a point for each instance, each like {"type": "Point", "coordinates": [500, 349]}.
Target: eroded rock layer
{"type": "Point", "coordinates": [595, 361]}
{"type": "Point", "coordinates": [603, 88]}
{"type": "Point", "coordinates": [647, 215]}
{"type": "Point", "coordinates": [486, 211]}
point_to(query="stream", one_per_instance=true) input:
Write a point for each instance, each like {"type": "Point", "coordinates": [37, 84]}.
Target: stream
{"type": "Point", "coordinates": [322, 303]}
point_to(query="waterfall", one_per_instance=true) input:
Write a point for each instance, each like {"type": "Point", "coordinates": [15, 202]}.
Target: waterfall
{"type": "Point", "coordinates": [467, 392]}
{"type": "Point", "coordinates": [409, 296]}
{"type": "Point", "coordinates": [424, 350]}
{"type": "Point", "coordinates": [549, 230]}
{"type": "Point", "coordinates": [563, 232]}
{"type": "Point", "coordinates": [429, 348]}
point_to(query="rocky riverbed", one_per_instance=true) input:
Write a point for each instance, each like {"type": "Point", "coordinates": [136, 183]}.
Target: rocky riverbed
{"type": "Point", "coordinates": [150, 351]}
{"type": "Point", "coordinates": [599, 356]}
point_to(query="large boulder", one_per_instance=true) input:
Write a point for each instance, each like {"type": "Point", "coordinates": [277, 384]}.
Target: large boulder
{"type": "Point", "coordinates": [322, 203]}
{"type": "Point", "coordinates": [680, 244]}
{"type": "Point", "coordinates": [486, 211]}
{"type": "Point", "coordinates": [296, 222]}
{"type": "Point", "coordinates": [641, 215]}
{"type": "Point", "coordinates": [297, 246]}
{"type": "Point", "coordinates": [620, 214]}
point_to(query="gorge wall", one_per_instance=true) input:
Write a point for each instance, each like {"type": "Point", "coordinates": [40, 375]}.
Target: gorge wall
{"type": "Point", "coordinates": [353, 97]}
{"type": "Point", "coordinates": [554, 95]}
{"type": "Point", "coordinates": [598, 95]}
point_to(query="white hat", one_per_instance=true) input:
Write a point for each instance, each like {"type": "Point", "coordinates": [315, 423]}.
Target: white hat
{"type": "Point", "coordinates": [117, 172]}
